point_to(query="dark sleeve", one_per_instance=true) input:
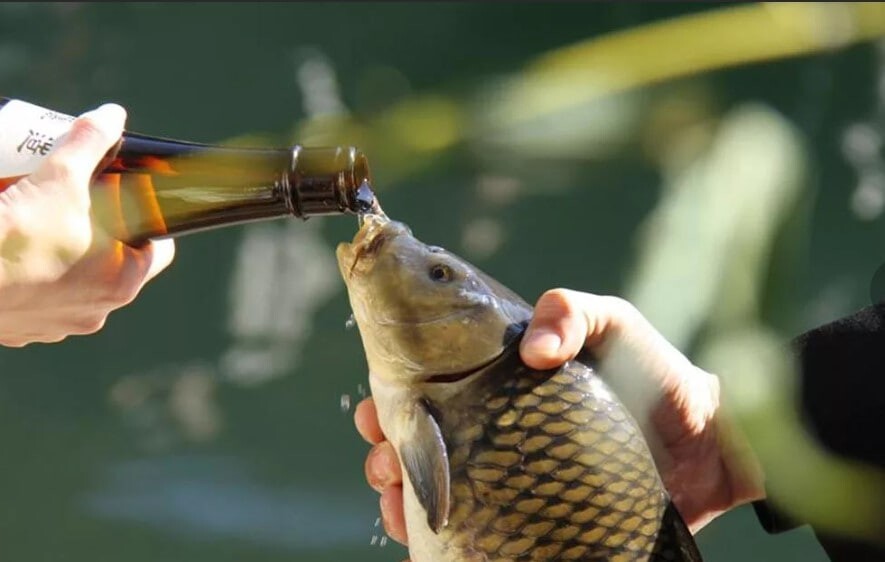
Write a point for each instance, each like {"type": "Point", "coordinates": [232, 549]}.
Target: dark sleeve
{"type": "Point", "coordinates": [842, 403]}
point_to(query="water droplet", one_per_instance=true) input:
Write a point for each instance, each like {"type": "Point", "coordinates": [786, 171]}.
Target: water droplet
{"type": "Point", "coordinates": [350, 322]}
{"type": "Point", "coordinates": [374, 540]}
{"type": "Point", "coordinates": [383, 542]}
{"type": "Point", "coordinates": [345, 403]}
{"type": "Point", "coordinates": [365, 198]}
{"type": "Point", "coordinates": [361, 390]}
{"type": "Point", "coordinates": [377, 521]}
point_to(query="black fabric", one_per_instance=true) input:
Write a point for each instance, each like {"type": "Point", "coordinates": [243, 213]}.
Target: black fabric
{"type": "Point", "coordinates": [842, 369]}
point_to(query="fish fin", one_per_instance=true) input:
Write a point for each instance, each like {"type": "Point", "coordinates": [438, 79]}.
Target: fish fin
{"type": "Point", "coordinates": [682, 540]}
{"type": "Point", "coordinates": [426, 462]}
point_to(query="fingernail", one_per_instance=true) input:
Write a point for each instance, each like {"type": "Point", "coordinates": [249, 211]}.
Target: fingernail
{"type": "Point", "coordinates": [542, 341]}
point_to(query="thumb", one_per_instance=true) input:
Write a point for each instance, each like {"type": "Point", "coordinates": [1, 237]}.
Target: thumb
{"type": "Point", "coordinates": [557, 330]}
{"type": "Point", "coordinates": [71, 164]}
{"type": "Point", "coordinates": [566, 321]}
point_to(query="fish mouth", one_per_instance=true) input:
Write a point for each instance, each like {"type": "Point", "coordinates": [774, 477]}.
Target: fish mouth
{"type": "Point", "coordinates": [510, 347]}
{"type": "Point", "coordinates": [371, 236]}
{"type": "Point", "coordinates": [376, 232]}
{"type": "Point", "coordinates": [367, 249]}
{"type": "Point", "coordinates": [386, 322]}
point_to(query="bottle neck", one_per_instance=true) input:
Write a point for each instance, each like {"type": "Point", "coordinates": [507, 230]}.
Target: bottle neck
{"type": "Point", "coordinates": [303, 181]}
{"type": "Point", "coordinates": [327, 181]}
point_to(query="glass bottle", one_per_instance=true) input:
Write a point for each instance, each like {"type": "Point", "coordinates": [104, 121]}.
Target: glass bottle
{"type": "Point", "coordinates": [151, 187]}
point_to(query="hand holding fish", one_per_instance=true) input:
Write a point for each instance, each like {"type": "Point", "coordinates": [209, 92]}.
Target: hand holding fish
{"type": "Point", "coordinates": [59, 274]}
{"type": "Point", "coordinates": [705, 465]}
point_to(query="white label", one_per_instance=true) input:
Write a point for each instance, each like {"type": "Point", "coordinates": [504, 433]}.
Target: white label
{"type": "Point", "coordinates": [27, 134]}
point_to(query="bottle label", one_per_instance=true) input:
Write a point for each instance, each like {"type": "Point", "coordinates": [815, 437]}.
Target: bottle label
{"type": "Point", "coordinates": [27, 134]}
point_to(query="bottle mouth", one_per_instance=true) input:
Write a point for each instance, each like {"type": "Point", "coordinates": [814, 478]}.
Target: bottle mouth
{"type": "Point", "coordinates": [365, 201]}
{"type": "Point", "coordinates": [361, 172]}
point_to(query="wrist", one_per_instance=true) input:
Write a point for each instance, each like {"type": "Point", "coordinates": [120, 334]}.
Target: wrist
{"type": "Point", "coordinates": [746, 479]}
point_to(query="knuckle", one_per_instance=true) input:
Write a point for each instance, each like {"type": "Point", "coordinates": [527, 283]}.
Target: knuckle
{"type": "Point", "coordinates": [125, 277]}
{"type": "Point", "coordinates": [558, 302]}
{"type": "Point", "coordinates": [622, 307]}
{"type": "Point", "coordinates": [87, 127]}
{"type": "Point", "coordinates": [75, 231]}
{"type": "Point", "coordinates": [369, 466]}
{"type": "Point", "coordinates": [18, 219]}
{"type": "Point", "coordinates": [13, 342]}
{"type": "Point", "coordinates": [100, 126]}
{"type": "Point", "coordinates": [557, 293]}
{"type": "Point", "coordinates": [62, 169]}
{"type": "Point", "coordinates": [120, 293]}
{"type": "Point", "coordinates": [88, 324]}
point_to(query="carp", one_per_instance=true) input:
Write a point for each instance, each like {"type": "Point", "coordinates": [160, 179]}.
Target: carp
{"type": "Point", "coordinates": [501, 462]}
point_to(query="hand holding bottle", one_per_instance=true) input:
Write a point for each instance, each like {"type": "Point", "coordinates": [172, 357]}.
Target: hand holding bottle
{"type": "Point", "coordinates": [60, 273]}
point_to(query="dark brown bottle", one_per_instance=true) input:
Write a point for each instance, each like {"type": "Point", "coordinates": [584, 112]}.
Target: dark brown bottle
{"type": "Point", "coordinates": [152, 187]}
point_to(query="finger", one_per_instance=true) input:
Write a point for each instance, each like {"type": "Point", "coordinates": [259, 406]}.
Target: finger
{"type": "Point", "coordinates": [110, 276]}
{"type": "Point", "coordinates": [556, 332]}
{"type": "Point", "coordinates": [567, 321]}
{"type": "Point", "coordinates": [162, 254]}
{"type": "Point", "coordinates": [73, 160]}
{"type": "Point", "coordinates": [138, 266]}
{"type": "Point", "coordinates": [106, 206]}
{"type": "Point", "coordinates": [366, 419]}
{"type": "Point", "coordinates": [393, 515]}
{"type": "Point", "coordinates": [382, 467]}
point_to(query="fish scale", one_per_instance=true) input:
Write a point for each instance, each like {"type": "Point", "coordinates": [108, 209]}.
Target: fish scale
{"type": "Point", "coordinates": [548, 465]}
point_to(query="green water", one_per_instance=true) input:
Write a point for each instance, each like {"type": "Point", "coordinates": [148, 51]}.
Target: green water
{"type": "Point", "coordinates": [205, 421]}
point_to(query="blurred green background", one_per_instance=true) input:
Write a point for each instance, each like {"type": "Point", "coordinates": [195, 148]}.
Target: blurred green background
{"type": "Point", "coordinates": [727, 189]}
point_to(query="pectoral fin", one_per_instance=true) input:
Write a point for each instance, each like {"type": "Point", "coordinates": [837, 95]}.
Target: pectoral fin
{"type": "Point", "coordinates": [426, 462]}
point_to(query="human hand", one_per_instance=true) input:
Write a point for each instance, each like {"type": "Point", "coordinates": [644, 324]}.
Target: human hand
{"type": "Point", "coordinates": [60, 273]}
{"type": "Point", "coordinates": [704, 463]}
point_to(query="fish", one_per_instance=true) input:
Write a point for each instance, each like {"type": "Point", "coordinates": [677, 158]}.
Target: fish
{"type": "Point", "coordinates": [501, 462]}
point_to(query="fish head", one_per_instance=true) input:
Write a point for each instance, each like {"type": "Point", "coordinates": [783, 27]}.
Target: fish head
{"type": "Point", "coordinates": [423, 313]}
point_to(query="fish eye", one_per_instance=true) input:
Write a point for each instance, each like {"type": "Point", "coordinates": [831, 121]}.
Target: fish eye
{"type": "Point", "coordinates": [441, 273]}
